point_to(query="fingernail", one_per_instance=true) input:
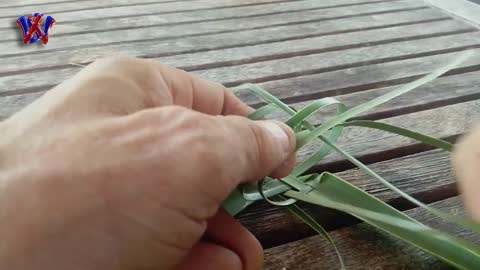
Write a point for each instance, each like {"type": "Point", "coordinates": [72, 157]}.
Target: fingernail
{"type": "Point", "coordinates": [280, 136]}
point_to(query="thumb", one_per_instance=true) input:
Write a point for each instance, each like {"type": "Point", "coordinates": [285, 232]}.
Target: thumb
{"type": "Point", "coordinates": [264, 148]}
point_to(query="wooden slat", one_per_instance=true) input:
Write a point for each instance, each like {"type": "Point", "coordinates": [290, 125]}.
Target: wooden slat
{"type": "Point", "coordinates": [373, 146]}
{"type": "Point", "coordinates": [277, 69]}
{"type": "Point", "coordinates": [48, 59]}
{"type": "Point", "coordinates": [365, 247]}
{"type": "Point", "coordinates": [103, 24]}
{"type": "Point", "coordinates": [163, 32]}
{"type": "Point", "coordinates": [71, 11]}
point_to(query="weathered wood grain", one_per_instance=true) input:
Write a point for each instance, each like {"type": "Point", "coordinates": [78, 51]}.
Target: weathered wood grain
{"type": "Point", "coordinates": [262, 52]}
{"type": "Point", "coordinates": [105, 23]}
{"type": "Point", "coordinates": [365, 247]}
{"type": "Point", "coordinates": [12, 44]}
{"type": "Point", "coordinates": [23, 3]}
{"type": "Point", "coordinates": [315, 63]}
{"type": "Point", "coordinates": [70, 11]}
{"type": "Point", "coordinates": [59, 58]}
{"type": "Point", "coordinates": [278, 68]}
{"type": "Point", "coordinates": [425, 175]}
{"type": "Point", "coordinates": [355, 79]}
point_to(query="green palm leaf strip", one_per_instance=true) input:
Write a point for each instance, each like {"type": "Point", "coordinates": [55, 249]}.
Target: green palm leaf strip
{"type": "Point", "coordinates": [302, 215]}
{"type": "Point", "coordinates": [401, 131]}
{"type": "Point", "coordinates": [335, 193]}
{"type": "Point", "coordinates": [263, 111]}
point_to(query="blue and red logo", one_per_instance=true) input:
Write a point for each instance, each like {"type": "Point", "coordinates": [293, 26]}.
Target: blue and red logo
{"type": "Point", "coordinates": [31, 28]}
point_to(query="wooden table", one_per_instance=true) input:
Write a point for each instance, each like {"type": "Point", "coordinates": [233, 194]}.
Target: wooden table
{"type": "Point", "coordinates": [299, 51]}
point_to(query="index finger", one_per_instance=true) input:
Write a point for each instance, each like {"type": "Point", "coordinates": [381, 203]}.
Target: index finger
{"type": "Point", "coordinates": [202, 95]}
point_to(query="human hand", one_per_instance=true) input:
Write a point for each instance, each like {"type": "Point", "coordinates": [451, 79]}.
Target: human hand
{"type": "Point", "coordinates": [125, 166]}
{"type": "Point", "coordinates": [466, 161]}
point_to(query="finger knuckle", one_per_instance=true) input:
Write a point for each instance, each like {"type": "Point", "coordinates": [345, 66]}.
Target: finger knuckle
{"type": "Point", "coordinates": [206, 139]}
{"type": "Point", "coordinates": [135, 75]}
{"type": "Point", "coordinates": [135, 69]}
